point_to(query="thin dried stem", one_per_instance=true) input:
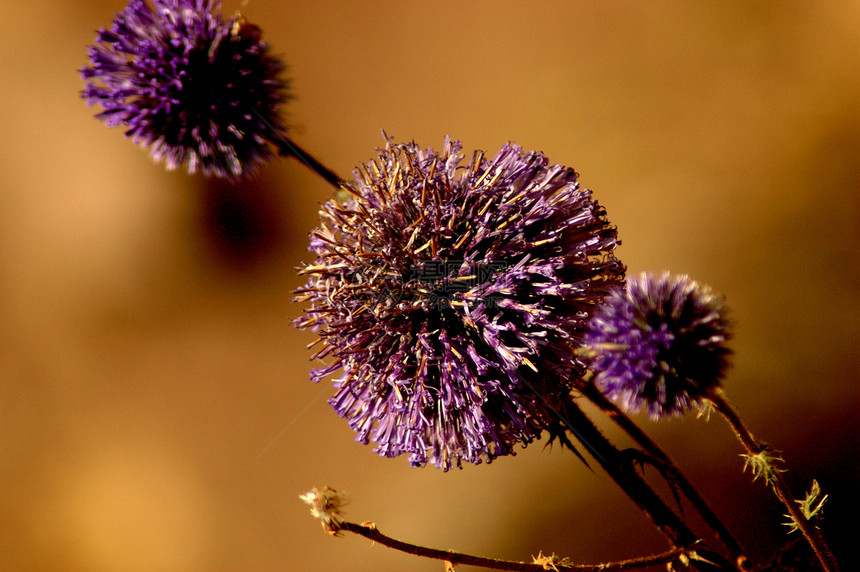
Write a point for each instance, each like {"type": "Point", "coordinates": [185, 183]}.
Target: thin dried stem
{"type": "Point", "coordinates": [756, 449]}
{"type": "Point", "coordinates": [369, 531]}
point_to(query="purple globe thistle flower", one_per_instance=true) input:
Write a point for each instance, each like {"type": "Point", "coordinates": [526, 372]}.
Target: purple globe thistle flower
{"type": "Point", "coordinates": [189, 85]}
{"type": "Point", "coordinates": [659, 343]}
{"type": "Point", "coordinates": [453, 298]}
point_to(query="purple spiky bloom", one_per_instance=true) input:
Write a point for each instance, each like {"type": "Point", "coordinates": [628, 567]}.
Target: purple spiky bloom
{"type": "Point", "coordinates": [453, 298]}
{"type": "Point", "coordinates": [659, 343]}
{"type": "Point", "coordinates": [189, 85]}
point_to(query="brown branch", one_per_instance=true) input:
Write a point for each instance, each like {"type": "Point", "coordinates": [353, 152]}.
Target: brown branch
{"type": "Point", "coordinates": [369, 531]}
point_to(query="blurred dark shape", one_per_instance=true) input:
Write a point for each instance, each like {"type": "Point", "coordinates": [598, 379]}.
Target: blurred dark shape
{"type": "Point", "coordinates": [241, 223]}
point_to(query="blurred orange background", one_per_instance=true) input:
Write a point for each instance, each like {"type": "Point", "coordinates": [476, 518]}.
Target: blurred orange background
{"type": "Point", "coordinates": [147, 358]}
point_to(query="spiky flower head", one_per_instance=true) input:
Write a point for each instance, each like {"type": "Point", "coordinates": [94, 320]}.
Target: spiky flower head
{"type": "Point", "coordinates": [659, 343]}
{"type": "Point", "coordinates": [453, 298]}
{"type": "Point", "coordinates": [189, 85]}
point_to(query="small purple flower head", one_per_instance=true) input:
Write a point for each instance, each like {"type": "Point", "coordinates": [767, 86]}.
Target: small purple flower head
{"type": "Point", "coordinates": [659, 343]}
{"type": "Point", "coordinates": [453, 297]}
{"type": "Point", "coordinates": [189, 85]}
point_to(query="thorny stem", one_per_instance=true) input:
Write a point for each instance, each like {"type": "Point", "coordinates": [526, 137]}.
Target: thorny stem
{"type": "Point", "coordinates": [675, 475]}
{"type": "Point", "coordinates": [369, 531]}
{"type": "Point", "coordinates": [621, 470]}
{"type": "Point", "coordinates": [780, 488]}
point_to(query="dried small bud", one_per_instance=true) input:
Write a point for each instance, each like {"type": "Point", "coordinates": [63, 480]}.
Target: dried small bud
{"type": "Point", "coordinates": [325, 505]}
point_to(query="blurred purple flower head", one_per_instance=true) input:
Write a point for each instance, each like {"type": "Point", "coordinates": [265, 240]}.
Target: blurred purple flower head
{"type": "Point", "coordinates": [659, 343]}
{"type": "Point", "coordinates": [189, 86]}
{"type": "Point", "coordinates": [453, 298]}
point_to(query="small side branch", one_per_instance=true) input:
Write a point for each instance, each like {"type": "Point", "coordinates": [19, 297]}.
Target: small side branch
{"type": "Point", "coordinates": [625, 476]}
{"type": "Point", "coordinates": [672, 471]}
{"type": "Point", "coordinates": [758, 452]}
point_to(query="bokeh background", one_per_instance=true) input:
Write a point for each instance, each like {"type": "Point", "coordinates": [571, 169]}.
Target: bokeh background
{"type": "Point", "coordinates": [147, 358]}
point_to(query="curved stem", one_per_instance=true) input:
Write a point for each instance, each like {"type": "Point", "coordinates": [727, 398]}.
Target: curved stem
{"type": "Point", "coordinates": [675, 475]}
{"type": "Point", "coordinates": [370, 531]}
{"type": "Point", "coordinates": [755, 447]}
